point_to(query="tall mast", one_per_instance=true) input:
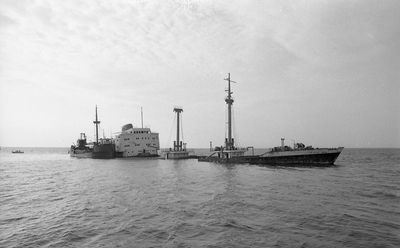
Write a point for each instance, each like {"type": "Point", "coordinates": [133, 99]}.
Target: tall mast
{"type": "Point", "coordinates": [141, 112]}
{"type": "Point", "coordinates": [97, 122]}
{"type": "Point", "coordinates": [177, 144]}
{"type": "Point", "coordinates": [229, 143]}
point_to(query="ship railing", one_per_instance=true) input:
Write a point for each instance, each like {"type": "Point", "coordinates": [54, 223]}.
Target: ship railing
{"type": "Point", "coordinates": [212, 154]}
{"type": "Point", "coordinates": [172, 150]}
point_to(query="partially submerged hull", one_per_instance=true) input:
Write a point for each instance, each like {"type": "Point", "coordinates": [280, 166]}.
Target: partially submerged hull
{"type": "Point", "coordinates": [326, 156]}
{"type": "Point", "coordinates": [138, 155]}
{"type": "Point", "coordinates": [80, 153]}
{"type": "Point", "coordinates": [224, 160]}
{"type": "Point", "coordinates": [315, 157]}
{"type": "Point", "coordinates": [177, 155]}
{"type": "Point", "coordinates": [100, 151]}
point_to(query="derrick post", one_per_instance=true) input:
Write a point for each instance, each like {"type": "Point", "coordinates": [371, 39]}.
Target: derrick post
{"type": "Point", "coordinates": [97, 122]}
{"type": "Point", "coordinates": [177, 144]}
{"type": "Point", "coordinates": [229, 145]}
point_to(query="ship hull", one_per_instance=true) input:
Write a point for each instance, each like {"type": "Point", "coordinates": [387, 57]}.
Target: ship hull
{"type": "Point", "coordinates": [138, 155]}
{"type": "Point", "coordinates": [80, 154]}
{"type": "Point", "coordinates": [322, 159]}
{"type": "Point", "coordinates": [316, 157]}
{"type": "Point", "coordinates": [222, 160]}
{"type": "Point", "coordinates": [103, 151]}
{"type": "Point", "coordinates": [177, 155]}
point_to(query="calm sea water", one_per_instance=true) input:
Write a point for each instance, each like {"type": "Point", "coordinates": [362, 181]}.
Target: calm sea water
{"type": "Point", "coordinates": [48, 199]}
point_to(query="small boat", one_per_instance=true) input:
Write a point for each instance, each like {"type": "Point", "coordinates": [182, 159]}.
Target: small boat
{"type": "Point", "coordinates": [17, 151]}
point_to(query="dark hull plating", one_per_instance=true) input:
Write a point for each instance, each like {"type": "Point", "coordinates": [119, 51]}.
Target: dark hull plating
{"type": "Point", "coordinates": [317, 159]}
{"type": "Point", "coordinates": [310, 159]}
{"type": "Point", "coordinates": [103, 151]}
{"type": "Point", "coordinates": [140, 155]}
{"type": "Point", "coordinates": [234, 160]}
{"type": "Point", "coordinates": [77, 152]}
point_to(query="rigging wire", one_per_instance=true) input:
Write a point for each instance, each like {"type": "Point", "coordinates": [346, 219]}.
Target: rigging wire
{"type": "Point", "coordinates": [234, 128]}
{"type": "Point", "coordinates": [170, 131]}
{"type": "Point", "coordinates": [226, 122]}
{"type": "Point", "coordinates": [183, 140]}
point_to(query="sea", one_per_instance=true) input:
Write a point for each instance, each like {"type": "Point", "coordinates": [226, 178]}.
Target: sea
{"type": "Point", "coordinates": [48, 199]}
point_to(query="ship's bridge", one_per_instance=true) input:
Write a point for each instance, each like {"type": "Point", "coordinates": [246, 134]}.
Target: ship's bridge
{"type": "Point", "coordinates": [140, 130]}
{"type": "Point", "coordinates": [128, 128]}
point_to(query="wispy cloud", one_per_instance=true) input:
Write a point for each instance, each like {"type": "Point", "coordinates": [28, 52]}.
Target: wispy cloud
{"type": "Point", "coordinates": [292, 59]}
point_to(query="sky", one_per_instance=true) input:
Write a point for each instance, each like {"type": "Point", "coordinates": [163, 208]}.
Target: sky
{"type": "Point", "coordinates": [322, 72]}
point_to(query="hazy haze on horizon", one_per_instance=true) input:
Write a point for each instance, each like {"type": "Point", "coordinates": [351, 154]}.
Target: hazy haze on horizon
{"type": "Point", "coordinates": [325, 73]}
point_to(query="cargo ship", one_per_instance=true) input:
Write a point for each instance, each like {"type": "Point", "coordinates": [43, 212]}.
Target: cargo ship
{"type": "Point", "coordinates": [299, 155]}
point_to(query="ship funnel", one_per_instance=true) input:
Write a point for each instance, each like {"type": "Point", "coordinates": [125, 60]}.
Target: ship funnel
{"type": "Point", "coordinates": [283, 143]}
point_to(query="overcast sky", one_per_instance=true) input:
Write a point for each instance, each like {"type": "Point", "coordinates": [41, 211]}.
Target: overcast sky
{"type": "Point", "coordinates": [326, 73]}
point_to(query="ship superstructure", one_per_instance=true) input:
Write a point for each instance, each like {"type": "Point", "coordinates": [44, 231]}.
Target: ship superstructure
{"type": "Point", "coordinates": [136, 142]}
{"type": "Point", "coordinates": [82, 149]}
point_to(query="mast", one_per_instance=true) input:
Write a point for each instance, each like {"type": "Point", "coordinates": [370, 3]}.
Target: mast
{"type": "Point", "coordinates": [141, 113]}
{"type": "Point", "coordinates": [229, 143]}
{"type": "Point", "coordinates": [97, 122]}
{"type": "Point", "coordinates": [177, 144]}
